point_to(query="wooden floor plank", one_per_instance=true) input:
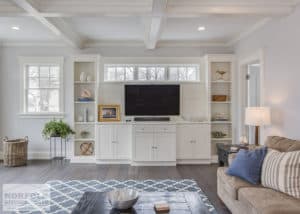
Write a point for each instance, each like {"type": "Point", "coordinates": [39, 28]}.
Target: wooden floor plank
{"type": "Point", "coordinates": [40, 171]}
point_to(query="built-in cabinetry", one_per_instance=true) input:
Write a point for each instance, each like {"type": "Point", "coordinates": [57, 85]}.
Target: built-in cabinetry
{"type": "Point", "coordinates": [221, 100]}
{"type": "Point", "coordinates": [193, 144]}
{"type": "Point", "coordinates": [85, 85]}
{"type": "Point", "coordinates": [154, 144]}
{"type": "Point", "coordinates": [114, 142]}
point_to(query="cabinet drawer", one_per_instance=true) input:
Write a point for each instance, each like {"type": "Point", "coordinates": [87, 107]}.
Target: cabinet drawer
{"type": "Point", "coordinates": [165, 128]}
{"type": "Point", "coordinates": [144, 128]}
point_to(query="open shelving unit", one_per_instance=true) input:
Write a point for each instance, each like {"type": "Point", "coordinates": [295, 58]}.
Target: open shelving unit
{"type": "Point", "coordinates": [220, 85]}
{"type": "Point", "coordinates": [85, 112]}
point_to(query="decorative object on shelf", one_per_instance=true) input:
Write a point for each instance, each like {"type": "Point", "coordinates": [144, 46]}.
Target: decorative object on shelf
{"type": "Point", "coordinates": [85, 96]}
{"type": "Point", "coordinates": [243, 140]}
{"type": "Point", "coordinates": [91, 118]}
{"type": "Point", "coordinates": [84, 134]}
{"type": "Point", "coordinates": [89, 78]}
{"type": "Point", "coordinates": [221, 75]}
{"type": "Point", "coordinates": [162, 207]}
{"type": "Point", "coordinates": [219, 98]}
{"type": "Point", "coordinates": [109, 113]}
{"type": "Point", "coordinates": [82, 77]}
{"type": "Point", "coordinates": [80, 118]}
{"type": "Point", "coordinates": [15, 151]}
{"type": "Point", "coordinates": [257, 116]}
{"type": "Point", "coordinates": [220, 117]}
{"type": "Point", "coordinates": [56, 128]}
{"type": "Point", "coordinates": [218, 134]}
{"type": "Point", "coordinates": [86, 148]}
{"type": "Point", "coordinates": [85, 114]}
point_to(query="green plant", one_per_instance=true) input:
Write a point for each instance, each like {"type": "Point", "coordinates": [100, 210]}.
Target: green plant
{"type": "Point", "coordinates": [56, 128]}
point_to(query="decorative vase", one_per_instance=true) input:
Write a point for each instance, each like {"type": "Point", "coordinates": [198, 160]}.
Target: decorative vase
{"type": "Point", "coordinates": [82, 77]}
{"type": "Point", "coordinates": [91, 118]}
{"type": "Point", "coordinates": [89, 78]}
{"type": "Point", "coordinates": [80, 118]}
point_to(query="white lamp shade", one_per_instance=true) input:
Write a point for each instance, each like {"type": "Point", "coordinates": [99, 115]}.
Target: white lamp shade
{"type": "Point", "coordinates": [257, 116]}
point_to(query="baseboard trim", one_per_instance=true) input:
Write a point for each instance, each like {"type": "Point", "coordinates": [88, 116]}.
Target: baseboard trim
{"type": "Point", "coordinates": [151, 163]}
{"type": "Point", "coordinates": [126, 162]}
{"type": "Point", "coordinates": [214, 159]}
{"type": "Point", "coordinates": [193, 161]}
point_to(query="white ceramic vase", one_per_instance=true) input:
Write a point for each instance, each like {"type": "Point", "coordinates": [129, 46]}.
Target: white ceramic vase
{"type": "Point", "coordinates": [82, 77]}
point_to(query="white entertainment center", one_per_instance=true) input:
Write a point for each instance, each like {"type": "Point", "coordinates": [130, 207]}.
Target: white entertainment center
{"type": "Point", "coordinates": [185, 139]}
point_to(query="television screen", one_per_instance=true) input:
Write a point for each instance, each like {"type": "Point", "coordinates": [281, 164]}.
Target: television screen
{"type": "Point", "coordinates": [152, 100]}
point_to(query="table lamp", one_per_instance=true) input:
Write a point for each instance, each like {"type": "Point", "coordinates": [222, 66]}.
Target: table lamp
{"type": "Point", "coordinates": [257, 116]}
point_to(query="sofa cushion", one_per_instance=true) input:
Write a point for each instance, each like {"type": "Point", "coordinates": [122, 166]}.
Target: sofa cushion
{"type": "Point", "coordinates": [282, 144]}
{"type": "Point", "coordinates": [268, 201]}
{"type": "Point", "coordinates": [247, 164]}
{"type": "Point", "coordinates": [281, 171]}
{"type": "Point", "coordinates": [231, 184]}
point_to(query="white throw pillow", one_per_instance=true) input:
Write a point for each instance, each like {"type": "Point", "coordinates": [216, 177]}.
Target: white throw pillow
{"type": "Point", "coordinates": [281, 171]}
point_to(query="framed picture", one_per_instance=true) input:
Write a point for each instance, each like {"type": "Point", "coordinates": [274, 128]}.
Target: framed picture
{"type": "Point", "coordinates": [107, 113]}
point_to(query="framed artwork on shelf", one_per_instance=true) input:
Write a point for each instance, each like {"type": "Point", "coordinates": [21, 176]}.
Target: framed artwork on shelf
{"type": "Point", "coordinates": [109, 113]}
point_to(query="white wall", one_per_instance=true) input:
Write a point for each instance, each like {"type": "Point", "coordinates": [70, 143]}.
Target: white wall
{"type": "Point", "coordinates": [13, 126]}
{"type": "Point", "coordinates": [280, 41]}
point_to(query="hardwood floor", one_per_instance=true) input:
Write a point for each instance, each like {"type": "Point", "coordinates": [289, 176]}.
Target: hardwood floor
{"type": "Point", "coordinates": [41, 171]}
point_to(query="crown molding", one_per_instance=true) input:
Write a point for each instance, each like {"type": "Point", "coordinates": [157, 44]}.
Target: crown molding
{"type": "Point", "coordinates": [32, 44]}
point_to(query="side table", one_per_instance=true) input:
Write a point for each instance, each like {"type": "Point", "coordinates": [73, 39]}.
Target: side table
{"type": "Point", "coordinates": [54, 141]}
{"type": "Point", "coordinates": [224, 150]}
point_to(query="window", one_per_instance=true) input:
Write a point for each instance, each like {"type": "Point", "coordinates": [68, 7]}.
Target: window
{"type": "Point", "coordinates": [175, 72]}
{"type": "Point", "coordinates": [42, 85]}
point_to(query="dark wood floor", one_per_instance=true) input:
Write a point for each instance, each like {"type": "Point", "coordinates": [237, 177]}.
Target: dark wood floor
{"type": "Point", "coordinates": [42, 171]}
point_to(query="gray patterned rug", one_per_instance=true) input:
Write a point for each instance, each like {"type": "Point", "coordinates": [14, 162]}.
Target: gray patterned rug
{"type": "Point", "coordinates": [66, 194]}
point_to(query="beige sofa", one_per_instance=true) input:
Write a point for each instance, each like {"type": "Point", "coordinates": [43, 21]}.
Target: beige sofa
{"type": "Point", "coordinates": [242, 197]}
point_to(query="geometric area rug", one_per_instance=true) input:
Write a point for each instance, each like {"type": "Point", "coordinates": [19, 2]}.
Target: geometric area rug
{"type": "Point", "coordinates": [64, 195]}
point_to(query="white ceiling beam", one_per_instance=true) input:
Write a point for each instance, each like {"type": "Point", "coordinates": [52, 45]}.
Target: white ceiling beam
{"type": "Point", "coordinates": [57, 26]}
{"type": "Point", "coordinates": [153, 25]}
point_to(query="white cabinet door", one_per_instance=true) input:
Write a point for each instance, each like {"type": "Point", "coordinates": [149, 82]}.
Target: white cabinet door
{"type": "Point", "coordinates": [193, 141]}
{"type": "Point", "coordinates": [106, 142]}
{"type": "Point", "coordinates": [164, 147]}
{"type": "Point", "coordinates": [143, 146]}
{"type": "Point", "coordinates": [123, 141]}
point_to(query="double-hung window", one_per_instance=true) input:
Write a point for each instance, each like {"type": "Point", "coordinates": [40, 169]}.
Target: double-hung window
{"type": "Point", "coordinates": [42, 86]}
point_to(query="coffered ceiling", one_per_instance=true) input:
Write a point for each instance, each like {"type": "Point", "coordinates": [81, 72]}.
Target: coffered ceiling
{"type": "Point", "coordinates": [80, 23]}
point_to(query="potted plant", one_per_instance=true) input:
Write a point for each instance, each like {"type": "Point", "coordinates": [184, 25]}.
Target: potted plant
{"type": "Point", "coordinates": [56, 128]}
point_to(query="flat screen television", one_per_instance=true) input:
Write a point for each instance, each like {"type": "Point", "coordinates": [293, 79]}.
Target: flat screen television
{"type": "Point", "coordinates": [152, 100]}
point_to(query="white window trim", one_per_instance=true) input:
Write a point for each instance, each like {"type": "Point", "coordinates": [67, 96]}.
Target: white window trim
{"type": "Point", "coordinates": [29, 60]}
{"type": "Point", "coordinates": [166, 66]}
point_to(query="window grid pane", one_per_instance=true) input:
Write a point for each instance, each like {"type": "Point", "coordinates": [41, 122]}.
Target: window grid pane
{"type": "Point", "coordinates": [43, 89]}
{"type": "Point", "coordinates": [151, 73]}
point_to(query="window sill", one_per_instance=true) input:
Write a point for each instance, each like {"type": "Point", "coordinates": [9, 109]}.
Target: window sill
{"type": "Point", "coordinates": [58, 115]}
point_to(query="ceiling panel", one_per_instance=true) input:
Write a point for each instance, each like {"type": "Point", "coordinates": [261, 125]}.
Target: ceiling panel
{"type": "Point", "coordinates": [30, 30]}
{"type": "Point", "coordinates": [108, 28]}
{"type": "Point", "coordinates": [219, 28]}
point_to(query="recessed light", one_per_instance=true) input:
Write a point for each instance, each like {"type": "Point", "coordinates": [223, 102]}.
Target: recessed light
{"type": "Point", "coordinates": [15, 28]}
{"type": "Point", "coordinates": [201, 28]}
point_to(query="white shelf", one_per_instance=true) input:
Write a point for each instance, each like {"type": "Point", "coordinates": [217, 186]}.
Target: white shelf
{"type": "Point", "coordinates": [84, 102]}
{"type": "Point", "coordinates": [84, 83]}
{"type": "Point", "coordinates": [84, 139]}
{"type": "Point", "coordinates": [214, 82]}
{"type": "Point", "coordinates": [83, 159]}
{"type": "Point", "coordinates": [221, 139]}
{"type": "Point", "coordinates": [221, 122]}
{"type": "Point", "coordinates": [85, 123]}
{"type": "Point", "coordinates": [221, 102]}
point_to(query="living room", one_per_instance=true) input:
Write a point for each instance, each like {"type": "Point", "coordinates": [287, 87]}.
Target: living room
{"type": "Point", "coordinates": [172, 106]}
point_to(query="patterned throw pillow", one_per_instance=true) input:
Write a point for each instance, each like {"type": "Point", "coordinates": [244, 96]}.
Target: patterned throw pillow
{"type": "Point", "coordinates": [281, 171]}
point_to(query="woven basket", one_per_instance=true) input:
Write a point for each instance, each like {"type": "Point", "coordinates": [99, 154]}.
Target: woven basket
{"type": "Point", "coordinates": [15, 152]}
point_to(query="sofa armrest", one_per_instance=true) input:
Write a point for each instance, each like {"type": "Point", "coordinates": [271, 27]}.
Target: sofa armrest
{"type": "Point", "coordinates": [231, 158]}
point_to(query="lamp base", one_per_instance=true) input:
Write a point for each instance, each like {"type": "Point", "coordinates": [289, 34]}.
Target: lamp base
{"type": "Point", "coordinates": [256, 135]}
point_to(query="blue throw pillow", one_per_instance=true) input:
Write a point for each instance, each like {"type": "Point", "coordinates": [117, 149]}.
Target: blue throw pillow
{"type": "Point", "coordinates": [247, 164]}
